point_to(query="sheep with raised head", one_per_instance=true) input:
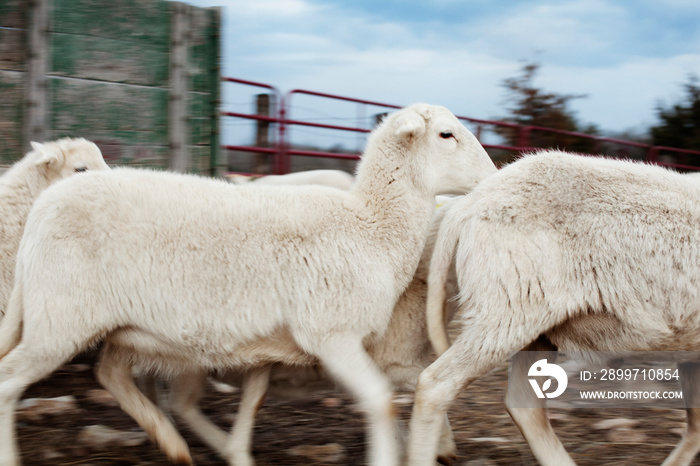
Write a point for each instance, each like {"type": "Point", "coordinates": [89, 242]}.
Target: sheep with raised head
{"type": "Point", "coordinates": [401, 353]}
{"type": "Point", "coordinates": [569, 252]}
{"type": "Point", "coordinates": [176, 271]}
{"type": "Point", "coordinates": [333, 178]}
{"type": "Point", "coordinates": [24, 181]}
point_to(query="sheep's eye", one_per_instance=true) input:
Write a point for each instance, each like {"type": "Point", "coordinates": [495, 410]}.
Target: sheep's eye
{"type": "Point", "coordinates": [80, 169]}
{"type": "Point", "coordinates": [446, 134]}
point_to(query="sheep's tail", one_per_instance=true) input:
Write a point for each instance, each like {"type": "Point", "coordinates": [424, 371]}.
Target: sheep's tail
{"type": "Point", "coordinates": [445, 245]}
{"type": "Point", "coordinates": [11, 323]}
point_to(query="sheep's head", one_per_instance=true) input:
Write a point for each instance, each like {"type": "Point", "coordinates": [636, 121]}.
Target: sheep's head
{"type": "Point", "coordinates": [62, 158]}
{"type": "Point", "coordinates": [450, 159]}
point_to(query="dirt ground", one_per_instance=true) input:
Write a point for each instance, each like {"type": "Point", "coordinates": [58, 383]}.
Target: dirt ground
{"type": "Point", "coordinates": [326, 429]}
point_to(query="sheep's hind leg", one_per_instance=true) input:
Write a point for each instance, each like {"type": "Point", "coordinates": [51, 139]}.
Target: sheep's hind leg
{"type": "Point", "coordinates": [478, 349]}
{"type": "Point", "coordinates": [689, 446]}
{"type": "Point", "coordinates": [447, 448]}
{"type": "Point", "coordinates": [114, 373]}
{"type": "Point", "coordinates": [533, 422]}
{"type": "Point", "coordinates": [28, 362]}
{"type": "Point", "coordinates": [438, 386]}
{"type": "Point", "coordinates": [185, 393]}
{"type": "Point", "coordinates": [253, 390]}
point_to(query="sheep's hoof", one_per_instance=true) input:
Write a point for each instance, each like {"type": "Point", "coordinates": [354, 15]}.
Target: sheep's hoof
{"type": "Point", "coordinates": [183, 459]}
{"type": "Point", "coordinates": [446, 460]}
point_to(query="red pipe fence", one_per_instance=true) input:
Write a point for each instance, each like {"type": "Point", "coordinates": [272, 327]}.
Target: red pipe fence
{"type": "Point", "coordinates": [281, 150]}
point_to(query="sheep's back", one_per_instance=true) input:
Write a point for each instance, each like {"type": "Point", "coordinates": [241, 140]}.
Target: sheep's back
{"type": "Point", "coordinates": [173, 254]}
{"type": "Point", "coordinates": [575, 236]}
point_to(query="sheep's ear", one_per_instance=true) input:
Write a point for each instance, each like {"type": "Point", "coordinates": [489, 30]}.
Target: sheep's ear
{"type": "Point", "coordinates": [411, 125]}
{"type": "Point", "coordinates": [46, 158]}
{"type": "Point", "coordinates": [36, 146]}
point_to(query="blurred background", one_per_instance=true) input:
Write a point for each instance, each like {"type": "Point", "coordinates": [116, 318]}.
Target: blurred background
{"type": "Point", "coordinates": [271, 86]}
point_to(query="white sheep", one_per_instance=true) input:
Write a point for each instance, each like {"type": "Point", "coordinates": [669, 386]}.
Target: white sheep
{"type": "Point", "coordinates": [176, 271]}
{"type": "Point", "coordinates": [401, 353]}
{"type": "Point", "coordinates": [24, 181]}
{"type": "Point", "coordinates": [591, 253]}
{"type": "Point", "coordinates": [333, 178]}
{"type": "Point", "coordinates": [286, 381]}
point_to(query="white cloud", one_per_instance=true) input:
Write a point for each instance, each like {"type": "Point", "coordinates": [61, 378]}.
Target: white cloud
{"type": "Point", "coordinates": [563, 32]}
{"type": "Point", "coordinates": [626, 57]}
{"type": "Point", "coordinates": [284, 8]}
{"type": "Point", "coordinates": [625, 95]}
{"type": "Point", "coordinates": [262, 8]}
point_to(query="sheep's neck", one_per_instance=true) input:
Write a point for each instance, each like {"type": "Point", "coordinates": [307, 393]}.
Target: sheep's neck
{"type": "Point", "coordinates": [396, 207]}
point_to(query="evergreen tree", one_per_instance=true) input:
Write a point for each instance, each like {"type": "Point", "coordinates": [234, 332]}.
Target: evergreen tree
{"type": "Point", "coordinates": [531, 106]}
{"type": "Point", "coordinates": [680, 124]}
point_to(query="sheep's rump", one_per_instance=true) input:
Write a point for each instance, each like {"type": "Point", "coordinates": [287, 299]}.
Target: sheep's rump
{"type": "Point", "coordinates": [189, 264]}
{"type": "Point", "coordinates": [606, 251]}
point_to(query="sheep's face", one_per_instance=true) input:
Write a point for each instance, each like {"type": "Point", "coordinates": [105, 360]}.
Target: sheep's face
{"type": "Point", "coordinates": [60, 159]}
{"type": "Point", "coordinates": [450, 159]}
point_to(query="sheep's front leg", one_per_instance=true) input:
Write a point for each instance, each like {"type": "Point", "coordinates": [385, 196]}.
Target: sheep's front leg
{"type": "Point", "coordinates": [114, 373]}
{"type": "Point", "coordinates": [185, 393]}
{"type": "Point", "coordinates": [533, 422]}
{"type": "Point", "coordinates": [346, 361]}
{"type": "Point", "coordinates": [239, 447]}
{"type": "Point", "coordinates": [33, 359]}
{"type": "Point", "coordinates": [689, 446]}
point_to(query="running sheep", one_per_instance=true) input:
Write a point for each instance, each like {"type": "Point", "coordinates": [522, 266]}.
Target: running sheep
{"type": "Point", "coordinates": [402, 354]}
{"type": "Point", "coordinates": [175, 271]}
{"type": "Point", "coordinates": [24, 181]}
{"type": "Point", "coordinates": [559, 251]}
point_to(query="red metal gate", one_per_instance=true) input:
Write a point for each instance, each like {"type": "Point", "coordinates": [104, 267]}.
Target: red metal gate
{"type": "Point", "coordinates": [282, 151]}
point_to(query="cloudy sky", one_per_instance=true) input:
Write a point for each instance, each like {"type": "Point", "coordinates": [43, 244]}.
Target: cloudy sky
{"type": "Point", "coordinates": [626, 56]}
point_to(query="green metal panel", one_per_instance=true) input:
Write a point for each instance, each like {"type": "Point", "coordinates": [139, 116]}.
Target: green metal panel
{"type": "Point", "coordinates": [217, 165]}
{"type": "Point", "coordinates": [107, 59]}
{"type": "Point", "coordinates": [12, 41]}
{"type": "Point", "coordinates": [11, 108]}
{"type": "Point", "coordinates": [140, 21]}
{"type": "Point", "coordinates": [12, 83]}
{"type": "Point", "coordinates": [13, 14]}
{"type": "Point", "coordinates": [130, 119]}
{"type": "Point", "coordinates": [134, 114]}
{"type": "Point", "coordinates": [200, 159]}
{"type": "Point", "coordinates": [118, 53]}
{"type": "Point", "coordinates": [212, 67]}
{"type": "Point", "coordinates": [116, 152]}
{"type": "Point", "coordinates": [203, 65]}
{"type": "Point", "coordinates": [108, 78]}
{"type": "Point", "coordinates": [200, 45]}
{"type": "Point", "coordinates": [12, 49]}
{"type": "Point", "coordinates": [200, 123]}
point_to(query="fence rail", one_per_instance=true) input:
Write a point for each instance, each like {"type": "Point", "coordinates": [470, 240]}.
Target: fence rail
{"type": "Point", "coordinates": [282, 151]}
